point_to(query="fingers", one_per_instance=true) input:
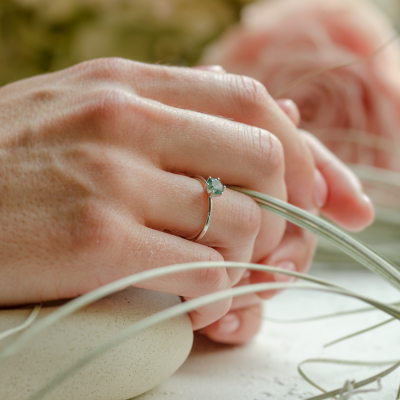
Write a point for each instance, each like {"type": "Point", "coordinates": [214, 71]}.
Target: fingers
{"type": "Point", "coordinates": [234, 97]}
{"type": "Point", "coordinates": [157, 249]}
{"type": "Point", "coordinates": [243, 320]}
{"type": "Point", "coordinates": [240, 155]}
{"type": "Point", "coordinates": [196, 144]}
{"type": "Point", "coordinates": [297, 248]}
{"type": "Point", "coordinates": [294, 253]}
{"type": "Point", "coordinates": [346, 203]}
{"type": "Point", "coordinates": [320, 188]}
{"type": "Point", "coordinates": [178, 204]}
{"type": "Point", "coordinates": [289, 107]}
{"type": "Point", "coordinates": [236, 327]}
{"type": "Point", "coordinates": [244, 100]}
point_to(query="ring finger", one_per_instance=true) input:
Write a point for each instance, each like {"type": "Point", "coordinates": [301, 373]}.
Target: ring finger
{"type": "Point", "coordinates": [235, 221]}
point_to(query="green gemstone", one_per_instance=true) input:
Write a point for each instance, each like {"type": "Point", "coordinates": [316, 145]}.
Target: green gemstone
{"type": "Point", "coordinates": [216, 186]}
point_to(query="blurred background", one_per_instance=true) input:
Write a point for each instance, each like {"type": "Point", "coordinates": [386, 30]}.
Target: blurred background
{"type": "Point", "coordinates": [38, 36]}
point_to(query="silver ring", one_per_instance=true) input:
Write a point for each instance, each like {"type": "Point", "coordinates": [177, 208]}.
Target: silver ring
{"type": "Point", "coordinates": [212, 188]}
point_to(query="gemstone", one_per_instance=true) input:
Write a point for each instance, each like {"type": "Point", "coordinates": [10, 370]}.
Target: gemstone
{"type": "Point", "coordinates": [214, 185]}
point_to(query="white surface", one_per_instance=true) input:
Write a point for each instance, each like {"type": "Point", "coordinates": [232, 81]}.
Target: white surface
{"type": "Point", "coordinates": [266, 368]}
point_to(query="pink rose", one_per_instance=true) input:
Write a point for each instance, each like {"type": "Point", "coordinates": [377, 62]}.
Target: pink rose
{"type": "Point", "coordinates": [279, 41]}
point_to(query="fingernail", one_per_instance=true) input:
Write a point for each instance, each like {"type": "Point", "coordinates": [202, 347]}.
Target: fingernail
{"type": "Point", "coordinates": [290, 109]}
{"type": "Point", "coordinates": [288, 104]}
{"type": "Point", "coordinates": [288, 266]}
{"type": "Point", "coordinates": [366, 200]}
{"type": "Point", "coordinates": [369, 204]}
{"type": "Point", "coordinates": [320, 189]}
{"type": "Point", "coordinates": [229, 323]}
{"type": "Point", "coordinates": [212, 68]}
{"type": "Point", "coordinates": [246, 274]}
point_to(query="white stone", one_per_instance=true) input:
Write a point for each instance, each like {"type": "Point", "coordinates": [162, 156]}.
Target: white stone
{"type": "Point", "coordinates": [131, 368]}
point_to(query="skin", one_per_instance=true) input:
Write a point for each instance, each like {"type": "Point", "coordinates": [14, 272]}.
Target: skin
{"type": "Point", "coordinates": [338, 191]}
{"type": "Point", "coordinates": [96, 184]}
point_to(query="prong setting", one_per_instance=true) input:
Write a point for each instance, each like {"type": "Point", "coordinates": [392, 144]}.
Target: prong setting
{"type": "Point", "coordinates": [215, 187]}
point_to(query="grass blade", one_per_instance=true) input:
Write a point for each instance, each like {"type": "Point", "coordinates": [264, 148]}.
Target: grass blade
{"type": "Point", "coordinates": [376, 326]}
{"type": "Point", "coordinates": [31, 318]}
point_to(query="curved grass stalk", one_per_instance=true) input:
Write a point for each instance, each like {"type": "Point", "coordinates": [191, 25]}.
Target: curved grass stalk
{"type": "Point", "coordinates": [322, 317]}
{"type": "Point", "coordinates": [186, 307]}
{"type": "Point", "coordinates": [348, 390]}
{"type": "Point", "coordinates": [106, 290]}
{"type": "Point", "coordinates": [359, 251]}
{"type": "Point", "coordinates": [31, 318]}
{"type": "Point", "coordinates": [84, 300]}
{"type": "Point", "coordinates": [376, 326]}
{"type": "Point", "coordinates": [356, 385]}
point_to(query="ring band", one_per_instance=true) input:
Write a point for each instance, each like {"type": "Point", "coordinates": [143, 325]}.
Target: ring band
{"type": "Point", "coordinates": [212, 188]}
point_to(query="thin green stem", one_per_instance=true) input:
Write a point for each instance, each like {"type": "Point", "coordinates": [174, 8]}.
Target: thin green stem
{"type": "Point", "coordinates": [356, 385]}
{"type": "Point", "coordinates": [31, 318]}
{"type": "Point", "coordinates": [353, 247]}
{"type": "Point", "coordinates": [185, 308]}
{"type": "Point", "coordinates": [376, 326]}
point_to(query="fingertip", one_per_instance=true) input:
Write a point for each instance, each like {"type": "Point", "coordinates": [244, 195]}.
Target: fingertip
{"type": "Point", "coordinates": [207, 315]}
{"type": "Point", "coordinates": [365, 214]}
{"type": "Point", "coordinates": [320, 189]}
{"type": "Point", "coordinates": [345, 203]}
{"type": "Point", "coordinates": [236, 327]}
{"type": "Point", "coordinates": [290, 108]}
{"type": "Point", "coordinates": [228, 324]}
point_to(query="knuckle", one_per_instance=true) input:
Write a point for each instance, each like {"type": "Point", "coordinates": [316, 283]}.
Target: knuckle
{"type": "Point", "coordinates": [266, 152]}
{"type": "Point", "coordinates": [108, 103]}
{"type": "Point", "coordinates": [247, 217]}
{"type": "Point", "coordinates": [208, 280]}
{"type": "Point", "coordinates": [103, 68]}
{"type": "Point", "coordinates": [107, 109]}
{"type": "Point", "coordinates": [251, 95]}
{"type": "Point", "coordinates": [211, 255]}
{"type": "Point", "coordinates": [276, 159]}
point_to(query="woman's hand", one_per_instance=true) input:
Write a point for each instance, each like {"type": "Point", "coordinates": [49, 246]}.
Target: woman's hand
{"type": "Point", "coordinates": [341, 199]}
{"type": "Point", "coordinates": [96, 165]}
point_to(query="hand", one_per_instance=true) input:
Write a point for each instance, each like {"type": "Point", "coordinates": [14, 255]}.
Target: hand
{"type": "Point", "coordinates": [96, 163]}
{"type": "Point", "coordinates": [341, 199]}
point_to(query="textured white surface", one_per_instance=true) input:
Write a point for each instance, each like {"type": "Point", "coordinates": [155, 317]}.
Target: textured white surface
{"type": "Point", "coordinates": [136, 365]}
{"type": "Point", "coordinates": [265, 369]}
